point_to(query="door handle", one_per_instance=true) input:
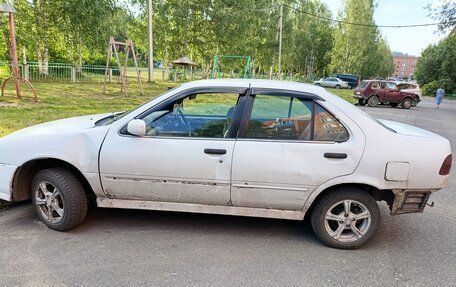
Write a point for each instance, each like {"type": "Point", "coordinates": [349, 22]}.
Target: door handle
{"type": "Point", "coordinates": [214, 151]}
{"type": "Point", "coordinates": [335, 155]}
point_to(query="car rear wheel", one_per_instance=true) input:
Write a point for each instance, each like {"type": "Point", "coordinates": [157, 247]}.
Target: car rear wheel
{"type": "Point", "coordinates": [373, 101]}
{"type": "Point", "coordinates": [59, 199]}
{"type": "Point", "coordinates": [407, 103]}
{"type": "Point", "coordinates": [393, 104]}
{"type": "Point", "coordinates": [346, 218]}
{"type": "Point", "coordinates": [337, 86]}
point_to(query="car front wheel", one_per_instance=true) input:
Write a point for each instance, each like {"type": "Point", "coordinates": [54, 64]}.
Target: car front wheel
{"type": "Point", "coordinates": [337, 86]}
{"type": "Point", "coordinates": [407, 103]}
{"type": "Point", "coordinates": [345, 218]}
{"type": "Point", "coordinates": [59, 199]}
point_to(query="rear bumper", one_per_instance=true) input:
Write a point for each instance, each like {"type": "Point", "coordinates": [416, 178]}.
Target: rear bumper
{"type": "Point", "coordinates": [6, 180]}
{"type": "Point", "coordinates": [409, 201]}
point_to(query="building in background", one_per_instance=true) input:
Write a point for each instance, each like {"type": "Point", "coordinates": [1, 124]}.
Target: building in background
{"type": "Point", "coordinates": [404, 65]}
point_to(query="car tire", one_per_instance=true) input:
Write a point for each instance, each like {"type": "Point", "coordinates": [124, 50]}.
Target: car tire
{"type": "Point", "coordinates": [393, 104]}
{"type": "Point", "coordinates": [59, 199]}
{"type": "Point", "coordinates": [373, 101]}
{"type": "Point", "coordinates": [337, 87]}
{"type": "Point", "coordinates": [414, 103]}
{"type": "Point", "coordinates": [317, 84]}
{"type": "Point", "coordinates": [361, 102]}
{"type": "Point", "coordinates": [407, 103]}
{"type": "Point", "coordinates": [337, 228]}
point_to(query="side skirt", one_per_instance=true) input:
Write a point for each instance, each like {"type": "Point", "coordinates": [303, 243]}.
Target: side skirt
{"type": "Point", "coordinates": [200, 208]}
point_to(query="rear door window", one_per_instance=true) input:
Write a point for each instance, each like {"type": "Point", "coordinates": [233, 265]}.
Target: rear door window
{"type": "Point", "coordinates": [292, 118]}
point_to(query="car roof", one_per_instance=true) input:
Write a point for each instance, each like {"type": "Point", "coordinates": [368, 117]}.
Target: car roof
{"type": "Point", "coordinates": [383, 81]}
{"type": "Point", "coordinates": [257, 83]}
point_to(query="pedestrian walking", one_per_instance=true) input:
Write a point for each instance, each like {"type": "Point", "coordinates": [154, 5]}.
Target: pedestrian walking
{"type": "Point", "coordinates": [439, 96]}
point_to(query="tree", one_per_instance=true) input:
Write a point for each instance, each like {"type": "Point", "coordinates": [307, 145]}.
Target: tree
{"type": "Point", "coordinates": [445, 14]}
{"type": "Point", "coordinates": [436, 66]}
{"type": "Point", "coordinates": [307, 39]}
{"type": "Point", "coordinates": [358, 49]}
{"type": "Point", "coordinates": [385, 66]}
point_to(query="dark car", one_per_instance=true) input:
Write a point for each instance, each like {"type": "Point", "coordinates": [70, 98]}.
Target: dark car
{"type": "Point", "coordinates": [374, 92]}
{"type": "Point", "coordinates": [352, 80]}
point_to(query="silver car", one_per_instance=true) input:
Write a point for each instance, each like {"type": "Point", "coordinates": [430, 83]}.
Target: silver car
{"type": "Point", "coordinates": [332, 82]}
{"type": "Point", "coordinates": [235, 147]}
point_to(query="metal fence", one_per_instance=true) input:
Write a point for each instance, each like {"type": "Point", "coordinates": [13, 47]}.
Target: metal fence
{"type": "Point", "coordinates": [61, 72]}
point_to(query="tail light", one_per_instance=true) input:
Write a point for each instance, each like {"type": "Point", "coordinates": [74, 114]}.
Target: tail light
{"type": "Point", "coordinates": [446, 165]}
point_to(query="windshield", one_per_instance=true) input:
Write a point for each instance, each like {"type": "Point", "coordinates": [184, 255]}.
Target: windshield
{"type": "Point", "coordinates": [363, 84]}
{"type": "Point", "coordinates": [118, 115]}
{"type": "Point", "coordinates": [377, 121]}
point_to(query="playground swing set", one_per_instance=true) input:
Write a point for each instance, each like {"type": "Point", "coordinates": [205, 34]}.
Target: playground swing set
{"type": "Point", "coordinates": [218, 58]}
{"type": "Point", "coordinates": [16, 77]}
{"type": "Point", "coordinates": [115, 46]}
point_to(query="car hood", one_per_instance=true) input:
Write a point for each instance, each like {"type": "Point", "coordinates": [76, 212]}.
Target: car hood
{"type": "Point", "coordinates": [408, 130]}
{"type": "Point", "coordinates": [60, 126]}
{"type": "Point", "coordinates": [412, 91]}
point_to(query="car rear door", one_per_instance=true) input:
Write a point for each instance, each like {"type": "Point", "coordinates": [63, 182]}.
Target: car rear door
{"type": "Point", "coordinates": [288, 145]}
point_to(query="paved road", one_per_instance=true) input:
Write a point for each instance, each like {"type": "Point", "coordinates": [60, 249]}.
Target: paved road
{"type": "Point", "coordinates": [137, 248]}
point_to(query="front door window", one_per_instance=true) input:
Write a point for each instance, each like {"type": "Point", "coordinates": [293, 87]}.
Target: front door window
{"type": "Point", "coordinates": [207, 115]}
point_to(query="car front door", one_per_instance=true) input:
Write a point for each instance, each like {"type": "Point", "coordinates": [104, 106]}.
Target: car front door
{"type": "Point", "coordinates": [289, 145]}
{"type": "Point", "coordinates": [185, 156]}
{"type": "Point", "coordinates": [331, 82]}
{"type": "Point", "coordinates": [391, 92]}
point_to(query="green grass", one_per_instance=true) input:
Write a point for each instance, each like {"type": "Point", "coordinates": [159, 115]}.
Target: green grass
{"type": "Point", "coordinates": [59, 100]}
{"type": "Point", "coordinates": [344, 94]}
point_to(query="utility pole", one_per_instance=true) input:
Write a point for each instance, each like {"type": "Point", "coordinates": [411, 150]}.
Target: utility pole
{"type": "Point", "coordinates": [150, 51]}
{"type": "Point", "coordinates": [280, 39]}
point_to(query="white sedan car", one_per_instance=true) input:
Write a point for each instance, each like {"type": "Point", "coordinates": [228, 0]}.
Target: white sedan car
{"type": "Point", "coordinates": [332, 82]}
{"type": "Point", "coordinates": [237, 147]}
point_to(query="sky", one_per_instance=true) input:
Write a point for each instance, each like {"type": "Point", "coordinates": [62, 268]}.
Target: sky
{"type": "Point", "coordinates": [402, 12]}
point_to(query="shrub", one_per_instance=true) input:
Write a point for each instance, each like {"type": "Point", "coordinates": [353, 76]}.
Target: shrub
{"type": "Point", "coordinates": [430, 88]}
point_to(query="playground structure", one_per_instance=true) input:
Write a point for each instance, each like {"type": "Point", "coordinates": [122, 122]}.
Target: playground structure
{"type": "Point", "coordinates": [16, 77]}
{"type": "Point", "coordinates": [114, 46]}
{"type": "Point", "coordinates": [216, 67]}
{"type": "Point", "coordinates": [184, 62]}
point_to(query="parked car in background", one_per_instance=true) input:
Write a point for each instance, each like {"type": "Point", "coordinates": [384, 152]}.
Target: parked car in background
{"type": "Point", "coordinates": [374, 92]}
{"type": "Point", "coordinates": [410, 88]}
{"type": "Point", "coordinates": [331, 82]}
{"type": "Point", "coordinates": [352, 80]}
{"type": "Point", "coordinates": [236, 147]}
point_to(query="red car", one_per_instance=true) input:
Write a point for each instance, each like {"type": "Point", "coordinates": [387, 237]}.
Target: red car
{"type": "Point", "coordinates": [374, 92]}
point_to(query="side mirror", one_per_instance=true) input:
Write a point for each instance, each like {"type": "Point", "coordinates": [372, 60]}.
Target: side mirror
{"type": "Point", "coordinates": [137, 127]}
